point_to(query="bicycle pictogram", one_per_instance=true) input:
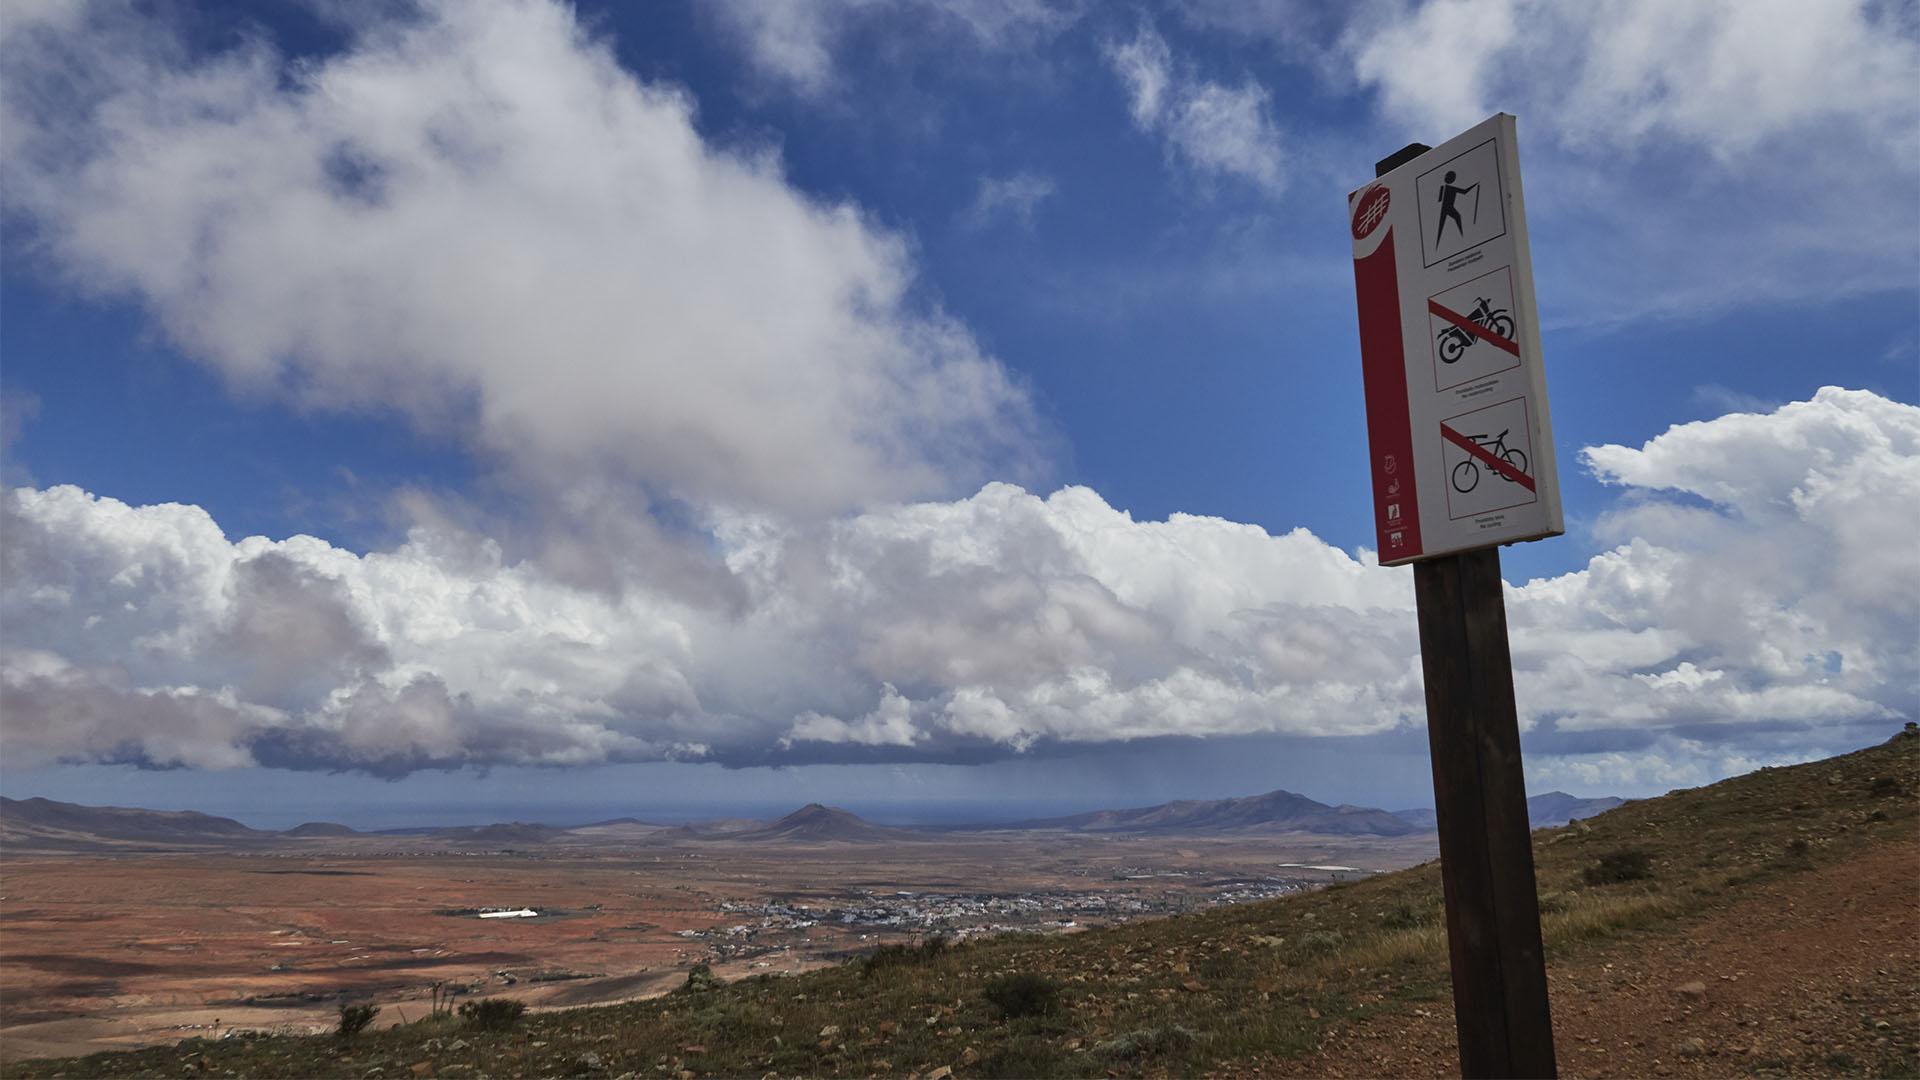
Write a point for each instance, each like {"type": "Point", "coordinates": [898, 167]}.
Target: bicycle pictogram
{"type": "Point", "coordinates": [1466, 475]}
{"type": "Point", "coordinates": [1455, 340]}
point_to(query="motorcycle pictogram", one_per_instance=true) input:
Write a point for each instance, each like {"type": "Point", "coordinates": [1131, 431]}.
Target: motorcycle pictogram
{"type": "Point", "coordinates": [1455, 340]}
{"type": "Point", "coordinates": [1466, 475]}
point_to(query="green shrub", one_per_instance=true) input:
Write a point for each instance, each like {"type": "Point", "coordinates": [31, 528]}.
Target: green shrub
{"type": "Point", "coordinates": [1318, 941]}
{"type": "Point", "coordinates": [1624, 864]}
{"type": "Point", "coordinates": [700, 980]}
{"type": "Point", "coordinates": [355, 1018]}
{"type": "Point", "coordinates": [439, 1020]}
{"type": "Point", "coordinates": [1405, 917]}
{"type": "Point", "coordinates": [1552, 903]}
{"type": "Point", "coordinates": [1023, 994]}
{"type": "Point", "coordinates": [492, 1014]}
{"type": "Point", "coordinates": [729, 1018]}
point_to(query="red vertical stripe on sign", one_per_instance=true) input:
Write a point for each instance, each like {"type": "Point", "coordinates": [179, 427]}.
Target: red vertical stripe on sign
{"type": "Point", "coordinates": [1383, 360]}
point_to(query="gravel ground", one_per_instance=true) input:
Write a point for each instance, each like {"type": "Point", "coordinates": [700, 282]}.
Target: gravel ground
{"type": "Point", "coordinates": [1813, 975]}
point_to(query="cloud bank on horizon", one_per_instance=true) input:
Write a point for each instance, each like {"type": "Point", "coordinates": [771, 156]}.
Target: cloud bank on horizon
{"type": "Point", "coordinates": [1769, 591]}
{"type": "Point", "coordinates": [366, 232]}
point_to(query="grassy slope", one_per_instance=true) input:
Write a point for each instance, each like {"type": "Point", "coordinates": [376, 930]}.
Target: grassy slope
{"type": "Point", "coordinates": [1171, 996]}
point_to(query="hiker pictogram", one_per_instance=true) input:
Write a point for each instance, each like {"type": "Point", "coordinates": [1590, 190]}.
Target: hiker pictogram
{"type": "Point", "coordinates": [1449, 195]}
{"type": "Point", "coordinates": [1462, 204]}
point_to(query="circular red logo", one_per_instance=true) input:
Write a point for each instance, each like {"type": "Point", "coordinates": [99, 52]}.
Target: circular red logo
{"type": "Point", "coordinates": [1369, 211]}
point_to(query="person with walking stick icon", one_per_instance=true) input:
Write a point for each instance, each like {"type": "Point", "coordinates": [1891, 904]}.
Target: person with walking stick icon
{"type": "Point", "coordinates": [1448, 193]}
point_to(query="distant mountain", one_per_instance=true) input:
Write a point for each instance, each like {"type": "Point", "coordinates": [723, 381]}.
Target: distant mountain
{"type": "Point", "coordinates": [725, 826]}
{"type": "Point", "coordinates": [45, 823]}
{"type": "Point", "coordinates": [1276, 811]}
{"type": "Point", "coordinates": [815, 823]}
{"type": "Point", "coordinates": [618, 829]}
{"type": "Point", "coordinates": [1553, 808]}
{"type": "Point", "coordinates": [709, 829]}
{"type": "Point", "coordinates": [1558, 808]}
{"type": "Point", "coordinates": [320, 829]}
{"type": "Point", "coordinates": [1419, 819]}
{"type": "Point", "coordinates": [514, 833]}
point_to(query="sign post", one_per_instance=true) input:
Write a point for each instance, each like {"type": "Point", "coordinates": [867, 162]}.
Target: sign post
{"type": "Point", "coordinates": [1462, 461]}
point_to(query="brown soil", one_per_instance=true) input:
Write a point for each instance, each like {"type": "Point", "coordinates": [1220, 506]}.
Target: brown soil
{"type": "Point", "coordinates": [1814, 974]}
{"type": "Point", "coordinates": [1775, 931]}
{"type": "Point", "coordinates": [115, 952]}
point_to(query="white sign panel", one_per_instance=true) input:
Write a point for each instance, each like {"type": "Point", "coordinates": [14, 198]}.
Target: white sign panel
{"type": "Point", "coordinates": [1457, 425]}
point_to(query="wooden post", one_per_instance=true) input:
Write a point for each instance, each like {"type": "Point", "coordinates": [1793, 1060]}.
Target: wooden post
{"type": "Point", "coordinates": [1486, 848]}
{"type": "Point", "coordinates": [1480, 797]}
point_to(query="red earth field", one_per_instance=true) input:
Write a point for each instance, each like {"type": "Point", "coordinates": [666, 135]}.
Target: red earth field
{"type": "Point", "coordinates": [102, 951]}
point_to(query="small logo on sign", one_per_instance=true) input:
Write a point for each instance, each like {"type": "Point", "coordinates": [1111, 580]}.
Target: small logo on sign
{"type": "Point", "coordinates": [1393, 511]}
{"type": "Point", "coordinates": [1370, 211]}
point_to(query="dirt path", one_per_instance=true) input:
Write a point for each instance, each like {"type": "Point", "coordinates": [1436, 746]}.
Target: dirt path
{"type": "Point", "coordinates": [1817, 974]}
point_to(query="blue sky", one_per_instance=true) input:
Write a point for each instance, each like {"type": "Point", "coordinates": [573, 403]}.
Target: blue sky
{"type": "Point", "coordinates": [938, 407]}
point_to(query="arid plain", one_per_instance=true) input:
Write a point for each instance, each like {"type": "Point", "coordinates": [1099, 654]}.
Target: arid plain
{"type": "Point", "coordinates": [118, 948]}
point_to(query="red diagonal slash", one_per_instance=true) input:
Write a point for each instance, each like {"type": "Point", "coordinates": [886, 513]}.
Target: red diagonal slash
{"type": "Point", "coordinates": [1472, 327]}
{"type": "Point", "coordinates": [1504, 468]}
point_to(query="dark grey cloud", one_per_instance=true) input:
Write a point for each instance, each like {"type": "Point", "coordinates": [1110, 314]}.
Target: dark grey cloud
{"type": "Point", "coordinates": [292, 634]}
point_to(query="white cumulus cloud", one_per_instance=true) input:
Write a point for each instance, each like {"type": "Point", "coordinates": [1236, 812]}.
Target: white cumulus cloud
{"type": "Point", "coordinates": [1762, 603]}
{"type": "Point", "coordinates": [475, 217]}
